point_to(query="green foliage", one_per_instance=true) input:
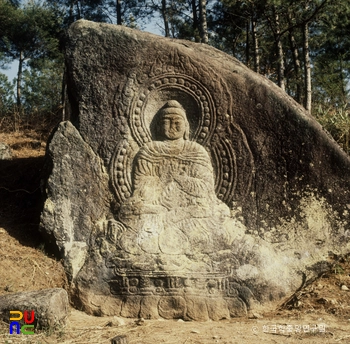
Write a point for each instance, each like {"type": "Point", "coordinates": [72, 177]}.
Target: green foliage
{"type": "Point", "coordinates": [31, 32]}
{"type": "Point", "coordinates": [28, 34]}
{"type": "Point", "coordinates": [8, 113]}
{"type": "Point", "coordinates": [330, 82]}
{"type": "Point", "coordinates": [43, 88]}
{"type": "Point", "coordinates": [331, 56]}
{"type": "Point", "coordinates": [331, 72]}
{"type": "Point", "coordinates": [337, 122]}
{"type": "Point", "coordinates": [6, 95]}
{"type": "Point", "coordinates": [338, 269]}
{"type": "Point", "coordinates": [73, 10]}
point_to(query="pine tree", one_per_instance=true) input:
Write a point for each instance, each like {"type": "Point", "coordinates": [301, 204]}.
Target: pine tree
{"type": "Point", "coordinates": [28, 34]}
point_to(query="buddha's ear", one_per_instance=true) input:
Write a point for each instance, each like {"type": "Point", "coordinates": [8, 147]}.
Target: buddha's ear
{"type": "Point", "coordinates": [187, 130]}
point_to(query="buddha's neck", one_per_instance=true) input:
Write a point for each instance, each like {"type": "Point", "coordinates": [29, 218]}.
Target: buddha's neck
{"type": "Point", "coordinates": [175, 146]}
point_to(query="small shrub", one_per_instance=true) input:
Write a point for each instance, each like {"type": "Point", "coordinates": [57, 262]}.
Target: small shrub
{"type": "Point", "coordinates": [337, 122]}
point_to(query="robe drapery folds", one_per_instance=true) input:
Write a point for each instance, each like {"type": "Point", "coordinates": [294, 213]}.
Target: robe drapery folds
{"type": "Point", "coordinates": [173, 208]}
{"type": "Point", "coordinates": [186, 176]}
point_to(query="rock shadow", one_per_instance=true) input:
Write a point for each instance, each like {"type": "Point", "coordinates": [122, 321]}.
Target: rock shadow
{"type": "Point", "coordinates": [21, 199]}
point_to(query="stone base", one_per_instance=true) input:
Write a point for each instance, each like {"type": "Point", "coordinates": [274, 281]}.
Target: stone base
{"type": "Point", "coordinates": [191, 307]}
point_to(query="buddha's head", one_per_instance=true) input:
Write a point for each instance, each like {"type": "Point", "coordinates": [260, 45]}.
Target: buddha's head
{"type": "Point", "coordinates": [173, 123]}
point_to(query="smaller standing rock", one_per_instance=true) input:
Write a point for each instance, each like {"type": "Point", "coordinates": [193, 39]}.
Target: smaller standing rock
{"type": "Point", "coordinates": [50, 306]}
{"type": "Point", "coordinates": [344, 287]}
{"type": "Point", "coordinates": [5, 151]}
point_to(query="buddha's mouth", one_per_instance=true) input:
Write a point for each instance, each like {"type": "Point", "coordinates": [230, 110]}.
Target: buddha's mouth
{"type": "Point", "coordinates": [173, 131]}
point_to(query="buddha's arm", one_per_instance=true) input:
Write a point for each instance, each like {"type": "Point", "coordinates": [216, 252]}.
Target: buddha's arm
{"type": "Point", "coordinates": [198, 178]}
{"type": "Point", "coordinates": [200, 183]}
{"type": "Point", "coordinates": [148, 186]}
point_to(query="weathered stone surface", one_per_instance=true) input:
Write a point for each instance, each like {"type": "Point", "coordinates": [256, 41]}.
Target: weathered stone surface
{"type": "Point", "coordinates": [217, 308]}
{"type": "Point", "coordinates": [98, 304]}
{"type": "Point", "coordinates": [50, 306]}
{"type": "Point", "coordinates": [5, 151]}
{"type": "Point", "coordinates": [172, 307]}
{"type": "Point", "coordinates": [77, 196]}
{"type": "Point", "coordinates": [131, 306]}
{"type": "Point", "coordinates": [184, 185]}
{"type": "Point", "coordinates": [236, 307]}
{"type": "Point", "coordinates": [196, 308]}
{"type": "Point", "coordinates": [149, 307]}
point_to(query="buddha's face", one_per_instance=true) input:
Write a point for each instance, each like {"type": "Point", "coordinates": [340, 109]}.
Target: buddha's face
{"type": "Point", "coordinates": [173, 126]}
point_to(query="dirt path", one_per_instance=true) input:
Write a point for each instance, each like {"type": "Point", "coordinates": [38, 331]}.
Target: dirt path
{"type": "Point", "coordinates": [81, 328]}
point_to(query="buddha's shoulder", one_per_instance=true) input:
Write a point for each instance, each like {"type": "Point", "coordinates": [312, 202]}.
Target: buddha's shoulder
{"type": "Point", "coordinates": [151, 148]}
{"type": "Point", "coordinates": [154, 147]}
{"type": "Point", "coordinates": [193, 146]}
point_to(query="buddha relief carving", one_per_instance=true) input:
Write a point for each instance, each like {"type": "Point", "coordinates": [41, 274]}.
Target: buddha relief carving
{"type": "Point", "coordinates": [173, 208]}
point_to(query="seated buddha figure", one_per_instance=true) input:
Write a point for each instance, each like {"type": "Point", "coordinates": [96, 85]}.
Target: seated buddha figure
{"type": "Point", "coordinates": [173, 208]}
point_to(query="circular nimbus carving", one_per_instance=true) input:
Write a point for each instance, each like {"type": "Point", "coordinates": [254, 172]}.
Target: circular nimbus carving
{"type": "Point", "coordinates": [120, 170]}
{"type": "Point", "coordinates": [192, 95]}
{"type": "Point", "coordinates": [210, 125]}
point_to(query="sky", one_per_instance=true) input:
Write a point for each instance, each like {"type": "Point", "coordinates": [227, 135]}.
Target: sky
{"type": "Point", "coordinates": [11, 72]}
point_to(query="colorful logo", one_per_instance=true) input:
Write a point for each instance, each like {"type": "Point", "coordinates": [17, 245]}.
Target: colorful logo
{"type": "Point", "coordinates": [26, 328]}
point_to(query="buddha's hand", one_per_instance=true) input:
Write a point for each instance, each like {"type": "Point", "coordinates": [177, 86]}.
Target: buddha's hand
{"type": "Point", "coordinates": [139, 208]}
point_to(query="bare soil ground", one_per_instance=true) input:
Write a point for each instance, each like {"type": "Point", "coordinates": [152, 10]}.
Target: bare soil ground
{"type": "Point", "coordinates": [319, 313]}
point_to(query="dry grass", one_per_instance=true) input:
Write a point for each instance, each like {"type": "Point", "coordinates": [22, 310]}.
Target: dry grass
{"type": "Point", "coordinates": [24, 144]}
{"type": "Point", "coordinates": [26, 268]}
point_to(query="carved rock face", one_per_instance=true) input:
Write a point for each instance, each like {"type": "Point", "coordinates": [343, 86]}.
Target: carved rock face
{"type": "Point", "coordinates": [184, 185]}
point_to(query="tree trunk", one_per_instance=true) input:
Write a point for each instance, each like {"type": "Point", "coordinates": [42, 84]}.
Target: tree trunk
{"type": "Point", "coordinates": [203, 21]}
{"type": "Point", "coordinates": [119, 12]}
{"type": "Point", "coordinates": [66, 109]}
{"type": "Point", "coordinates": [307, 68]}
{"type": "Point", "coordinates": [195, 21]}
{"type": "Point", "coordinates": [296, 61]}
{"type": "Point", "coordinates": [281, 81]}
{"type": "Point", "coordinates": [256, 46]}
{"type": "Point", "coordinates": [343, 81]}
{"type": "Point", "coordinates": [247, 44]}
{"type": "Point", "coordinates": [78, 11]}
{"type": "Point", "coordinates": [165, 19]}
{"type": "Point", "coordinates": [280, 54]}
{"type": "Point", "coordinates": [71, 12]}
{"type": "Point", "coordinates": [19, 80]}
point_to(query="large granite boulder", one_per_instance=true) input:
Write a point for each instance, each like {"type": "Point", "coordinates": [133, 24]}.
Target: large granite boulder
{"type": "Point", "coordinates": [184, 185]}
